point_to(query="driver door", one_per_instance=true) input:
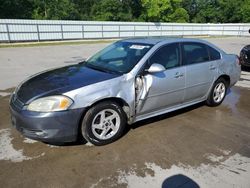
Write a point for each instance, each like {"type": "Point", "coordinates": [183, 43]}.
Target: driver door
{"type": "Point", "coordinates": [163, 89]}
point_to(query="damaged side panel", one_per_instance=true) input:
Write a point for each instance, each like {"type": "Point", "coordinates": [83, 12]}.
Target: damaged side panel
{"type": "Point", "coordinates": [229, 66]}
{"type": "Point", "coordinates": [142, 87]}
{"type": "Point", "coordinates": [121, 88]}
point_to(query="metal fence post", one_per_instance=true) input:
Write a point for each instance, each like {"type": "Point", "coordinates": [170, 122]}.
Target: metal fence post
{"type": "Point", "coordinates": [62, 31]}
{"type": "Point", "coordinates": [183, 30]}
{"type": "Point", "coordinates": [102, 31]}
{"type": "Point", "coordinates": [239, 35]}
{"type": "Point", "coordinates": [8, 33]}
{"type": "Point", "coordinates": [38, 32]}
{"type": "Point", "coordinates": [83, 31]}
{"type": "Point", "coordinates": [119, 31]}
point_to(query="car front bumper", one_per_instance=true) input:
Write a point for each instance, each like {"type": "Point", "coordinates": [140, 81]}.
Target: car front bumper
{"type": "Point", "coordinates": [245, 63]}
{"type": "Point", "coordinates": [47, 127]}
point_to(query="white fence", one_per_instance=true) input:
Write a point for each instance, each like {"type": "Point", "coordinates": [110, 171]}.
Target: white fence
{"type": "Point", "coordinates": [44, 30]}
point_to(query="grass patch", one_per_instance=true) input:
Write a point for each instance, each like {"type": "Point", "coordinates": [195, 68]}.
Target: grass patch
{"type": "Point", "coordinates": [53, 43]}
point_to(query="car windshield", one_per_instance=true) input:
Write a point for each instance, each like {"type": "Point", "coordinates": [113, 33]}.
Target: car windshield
{"type": "Point", "coordinates": [119, 57]}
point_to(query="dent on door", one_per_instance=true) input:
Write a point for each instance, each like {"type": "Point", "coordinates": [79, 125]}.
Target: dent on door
{"type": "Point", "coordinates": [142, 87]}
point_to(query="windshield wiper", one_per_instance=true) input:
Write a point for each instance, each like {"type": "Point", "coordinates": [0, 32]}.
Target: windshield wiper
{"type": "Point", "coordinates": [82, 62]}
{"type": "Point", "coordinates": [101, 69]}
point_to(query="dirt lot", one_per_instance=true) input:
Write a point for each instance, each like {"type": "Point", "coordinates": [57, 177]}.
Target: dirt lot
{"type": "Point", "coordinates": [195, 147]}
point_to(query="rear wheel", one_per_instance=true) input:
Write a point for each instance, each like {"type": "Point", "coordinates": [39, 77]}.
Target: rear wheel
{"type": "Point", "coordinates": [218, 93]}
{"type": "Point", "coordinates": [103, 123]}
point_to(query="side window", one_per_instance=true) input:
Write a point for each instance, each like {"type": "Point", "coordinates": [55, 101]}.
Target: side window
{"type": "Point", "coordinates": [214, 54]}
{"type": "Point", "coordinates": [194, 53]}
{"type": "Point", "coordinates": [168, 56]}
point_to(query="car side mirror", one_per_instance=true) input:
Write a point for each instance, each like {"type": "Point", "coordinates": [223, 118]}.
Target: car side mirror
{"type": "Point", "coordinates": [155, 67]}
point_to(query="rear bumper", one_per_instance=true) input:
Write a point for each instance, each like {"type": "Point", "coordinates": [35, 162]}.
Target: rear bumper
{"type": "Point", "coordinates": [235, 75]}
{"type": "Point", "coordinates": [47, 127]}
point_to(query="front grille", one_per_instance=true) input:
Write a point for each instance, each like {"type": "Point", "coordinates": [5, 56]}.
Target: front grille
{"type": "Point", "coordinates": [16, 102]}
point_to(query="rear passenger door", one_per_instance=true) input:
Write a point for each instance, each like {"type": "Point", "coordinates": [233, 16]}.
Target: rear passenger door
{"type": "Point", "coordinates": [200, 71]}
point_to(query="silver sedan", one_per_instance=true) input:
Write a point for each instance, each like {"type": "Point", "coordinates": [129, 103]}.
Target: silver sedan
{"type": "Point", "coordinates": [126, 82]}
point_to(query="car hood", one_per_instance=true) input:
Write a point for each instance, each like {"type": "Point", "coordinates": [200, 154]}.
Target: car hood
{"type": "Point", "coordinates": [58, 81]}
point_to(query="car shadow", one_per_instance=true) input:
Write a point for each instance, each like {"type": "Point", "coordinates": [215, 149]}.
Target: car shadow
{"type": "Point", "coordinates": [78, 142]}
{"type": "Point", "coordinates": [165, 116]}
{"type": "Point", "coordinates": [82, 141]}
{"type": "Point", "coordinates": [247, 69]}
{"type": "Point", "coordinates": [169, 114]}
{"type": "Point", "coordinates": [180, 181]}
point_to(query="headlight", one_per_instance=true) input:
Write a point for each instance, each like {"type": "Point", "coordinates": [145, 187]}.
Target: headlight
{"type": "Point", "coordinates": [50, 104]}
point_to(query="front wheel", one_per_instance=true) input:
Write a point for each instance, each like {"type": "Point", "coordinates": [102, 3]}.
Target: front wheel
{"type": "Point", "coordinates": [217, 93]}
{"type": "Point", "coordinates": [103, 123]}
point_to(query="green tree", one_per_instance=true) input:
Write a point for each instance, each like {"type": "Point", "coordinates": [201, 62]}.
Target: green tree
{"type": "Point", "coordinates": [209, 11]}
{"type": "Point", "coordinates": [54, 10]}
{"type": "Point", "coordinates": [135, 7]}
{"type": "Point", "coordinates": [245, 11]}
{"type": "Point", "coordinates": [111, 10]}
{"type": "Point", "coordinates": [16, 9]}
{"type": "Point", "coordinates": [84, 7]}
{"type": "Point", "coordinates": [156, 10]}
{"type": "Point", "coordinates": [191, 6]}
{"type": "Point", "coordinates": [163, 11]}
{"type": "Point", "coordinates": [219, 11]}
{"type": "Point", "coordinates": [230, 11]}
{"type": "Point", "coordinates": [200, 11]}
{"type": "Point", "coordinates": [180, 15]}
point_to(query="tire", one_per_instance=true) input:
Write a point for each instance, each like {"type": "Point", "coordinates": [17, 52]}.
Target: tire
{"type": "Point", "coordinates": [217, 93]}
{"type": "Point", "coordinates": [103, 123]}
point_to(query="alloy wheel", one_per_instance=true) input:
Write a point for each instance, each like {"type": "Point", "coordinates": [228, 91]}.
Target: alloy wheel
{"type": "Point", "coordinates": [106, 124]}
{"type": "Point", "coordinates": [219, 92]}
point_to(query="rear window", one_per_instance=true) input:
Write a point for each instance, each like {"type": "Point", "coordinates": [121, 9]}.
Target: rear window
{"type": "Point", "coordinates": [194, 53]}
{"type": "Point", "coordinates": [214, 54]}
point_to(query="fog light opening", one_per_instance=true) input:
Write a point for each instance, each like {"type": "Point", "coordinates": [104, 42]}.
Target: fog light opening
{"type": "Point", "coordinates": [41, 133]}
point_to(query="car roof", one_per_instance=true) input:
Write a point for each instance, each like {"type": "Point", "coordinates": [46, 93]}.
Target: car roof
{"type": "Point", "coordinates": [165, 40]}
{"type": "Point", "coordinates": [155, 40]}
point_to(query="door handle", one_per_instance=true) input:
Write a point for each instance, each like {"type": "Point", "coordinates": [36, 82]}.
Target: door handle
{"type": "Point", "coordinates": [212, 67]}
{"type": "Point", "coordinates": [178, 75]}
